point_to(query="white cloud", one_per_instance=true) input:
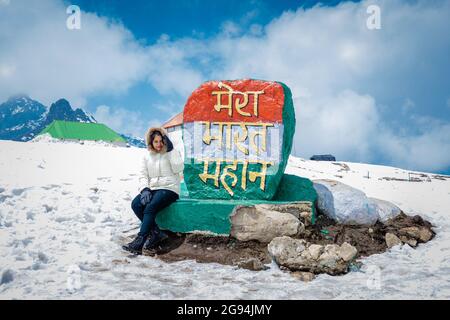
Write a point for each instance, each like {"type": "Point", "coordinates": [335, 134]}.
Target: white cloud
{"type": "Point", "coordinates": [342, 125]}
{"type": "Point", "coordinates": [169, 70]}
{"type": "Point", "coordinates": [341, 74]}
{"type": "Point", "coordinates": [40, 55]}
{"type": "Point", "coordinates": [6, 71]}
{"type": "Point", "coordinates": [429, 150]}
{"type": "Point", "coordinates": [123, 121]}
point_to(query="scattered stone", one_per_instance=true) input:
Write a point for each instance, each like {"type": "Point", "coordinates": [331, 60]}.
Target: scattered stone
{"type": "Point", "coordinates": [392, 240]}
{"type": "Point", "coordinates": [347, 252]}
{"type": "Point", "coordinates": [303, 276]}
{"type": "Point", "coordinates": [299, 255]}
{"type": "Point", "coordinates": [252, 264]}
{"type": "Point", "coordinates": [409, 241]}
{"type": "Point", "coordinates": [315, 251]}
{"type": "Point", "coordinates": [258, 223]}
{"type": "Point", "coordinates": [306, 217]}
{"type": "Point", "coordinates": [328, 260]}
{"type": "Point", "coordinates": [422, 234]}
{"type": "Point", "coordinates": [301, 229]}
{"type": "Point", "coordinates": [425, 235]}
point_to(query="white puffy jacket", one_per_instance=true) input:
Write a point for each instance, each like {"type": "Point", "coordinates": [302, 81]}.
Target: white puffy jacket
{"type": "Point", "coordinates": [161, 171]}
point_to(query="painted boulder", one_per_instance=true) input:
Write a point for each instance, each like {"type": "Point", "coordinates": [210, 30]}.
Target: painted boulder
{"type": "Point", "coordinates": [237, 137]}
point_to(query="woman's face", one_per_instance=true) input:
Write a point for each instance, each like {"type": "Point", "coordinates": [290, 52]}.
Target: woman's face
{"type": "Point", "coordinates": [158, 143]}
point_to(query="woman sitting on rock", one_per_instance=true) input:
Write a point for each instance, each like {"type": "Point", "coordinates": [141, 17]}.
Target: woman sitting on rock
{"type": "Point", "coordinates": [159, 187]}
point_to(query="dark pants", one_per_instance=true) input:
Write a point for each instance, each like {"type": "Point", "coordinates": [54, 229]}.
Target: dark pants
{"type": "Point", "coordinates": [147, 214]}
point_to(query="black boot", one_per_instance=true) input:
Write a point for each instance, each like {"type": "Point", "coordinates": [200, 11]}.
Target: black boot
{"type": "Point", "coordinates": [156, 236]}
{"type": "Point", "coordinates": [136, 245]}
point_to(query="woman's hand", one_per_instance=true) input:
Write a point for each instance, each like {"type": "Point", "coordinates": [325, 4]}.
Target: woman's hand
{"type": "Point", "coordinates": [146, 196]}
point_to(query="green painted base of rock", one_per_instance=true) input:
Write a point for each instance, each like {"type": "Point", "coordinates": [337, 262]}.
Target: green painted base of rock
{"type": "Point", "coordinates": [188, 215]}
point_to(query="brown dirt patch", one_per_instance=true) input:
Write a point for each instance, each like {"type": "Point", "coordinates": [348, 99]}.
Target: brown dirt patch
{"type": "Point", "coordinates": [229, 251]}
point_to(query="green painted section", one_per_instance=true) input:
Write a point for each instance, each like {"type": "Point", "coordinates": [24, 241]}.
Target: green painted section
{"type": "Point", "coordinates": [295, 188]}
{"type": "Point", "coordinates": [201, 190]}
{"type": "Point", "coordinates": [187, 215]}
{"type": "Point", "coordinates": [288, 134]}
{"type": "Point", "coordinates": [81, 131]}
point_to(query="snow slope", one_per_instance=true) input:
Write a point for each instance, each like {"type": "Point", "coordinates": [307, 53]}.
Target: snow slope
{"type": "Point", "coordinates": [64, 208]}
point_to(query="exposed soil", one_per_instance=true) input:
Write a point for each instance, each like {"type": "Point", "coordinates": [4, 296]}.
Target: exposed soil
{"type": "Point", "coordinates": [229, 251]}
{"type": "Point", "coordinates": [368, 240]}
{"type": "Point", "coordinates": [207, 249]}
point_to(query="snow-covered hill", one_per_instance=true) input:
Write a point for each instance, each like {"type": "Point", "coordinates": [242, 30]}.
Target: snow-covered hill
{"type": "Point", "coordinates": [22, 118]}
{"type": "Point", "coordinates": [65, 207]}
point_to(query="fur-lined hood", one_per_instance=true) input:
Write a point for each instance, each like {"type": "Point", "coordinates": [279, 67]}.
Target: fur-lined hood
{"type": "Point", "coordinates": [147, 138]}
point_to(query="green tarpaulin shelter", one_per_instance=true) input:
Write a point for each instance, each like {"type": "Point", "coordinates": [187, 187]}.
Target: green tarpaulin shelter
{"type": "Point", "coordinates": [72, 130]}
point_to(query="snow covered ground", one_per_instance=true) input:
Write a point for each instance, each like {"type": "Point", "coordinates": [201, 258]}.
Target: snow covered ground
{"type": "Point", "coordinates": [64, 208]}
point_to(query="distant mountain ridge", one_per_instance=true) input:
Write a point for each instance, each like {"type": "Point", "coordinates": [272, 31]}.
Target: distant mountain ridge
{"type": "Point", "coordinates": [22, 118]}
{"type": "Point", "coordinates": [61, 110]}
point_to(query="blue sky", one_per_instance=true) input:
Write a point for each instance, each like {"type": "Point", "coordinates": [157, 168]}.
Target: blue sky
{"type": "Point", "coordinates": [148, 20]}
{"type": "Point", "coordinates": [377, 96]}
{"type": "Point", "coordinates": [181, 18]}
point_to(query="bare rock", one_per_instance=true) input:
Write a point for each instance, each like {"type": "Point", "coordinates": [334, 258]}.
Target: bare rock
{"type": "Point", "coordinates": [259, 223]}
{"type": "Point", "coordinates": [302, 210]}
{"type": "Point", "coordinates": [410, 241]}
{"type": "Point", "coordinates": [419, 233]}
{"type": "Point", "coordinates": [315, 251]}
{"type": "Point", "coordinates": [299, 255]}
{"type": "Point", "coordinates": [392, 240]}
{"type": "Point", "coordinates": [306, 217]}
{"type": "Point", "coordinates": [384, 209]}
{"type": "Point", "coordinates": [303, 276]}
{"type": "Point", "coordinates": [343, 203]}
{"type": "Point", "coordinates": [301, 229]}
{"type": "Point", "coordinates": [425, 235]}
{"type": "Point", "coordinates": [252, 264]}
{"type": "Point", "coordinates": [287, 252]}
{"type": "Point", "coordinates": [347, 252]}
